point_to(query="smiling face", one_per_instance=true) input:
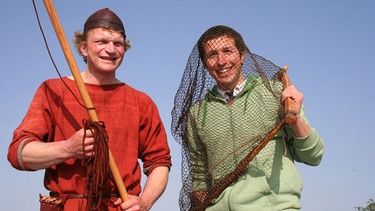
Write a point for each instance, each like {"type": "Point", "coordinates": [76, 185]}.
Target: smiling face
{"type": "Point", "coordinates": [104, 50]}
{"type": "Point", "coordinates": [224, 62]}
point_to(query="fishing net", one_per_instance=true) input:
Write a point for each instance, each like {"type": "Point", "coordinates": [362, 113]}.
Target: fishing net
{"type": "Point", "coordinates": [219, 139]}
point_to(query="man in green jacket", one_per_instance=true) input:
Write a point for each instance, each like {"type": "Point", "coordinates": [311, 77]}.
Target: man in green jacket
{"type": "Point", "coordinates": [228, 102]}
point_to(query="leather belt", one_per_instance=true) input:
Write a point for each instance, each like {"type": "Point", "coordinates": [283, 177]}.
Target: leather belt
{"type": "Point", "coordinates": [77, 196]}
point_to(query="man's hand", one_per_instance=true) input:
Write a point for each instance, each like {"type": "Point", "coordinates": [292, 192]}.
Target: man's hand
{"type": "Point", "coordinates": [79, 146]}
{"type": "Point", "coordinates": [135, 203]}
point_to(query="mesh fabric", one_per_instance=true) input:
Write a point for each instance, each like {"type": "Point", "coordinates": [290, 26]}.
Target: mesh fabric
{"type": "Point", "coordinates": [216, 137]}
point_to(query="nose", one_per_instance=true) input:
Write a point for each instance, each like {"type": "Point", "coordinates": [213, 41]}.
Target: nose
{"type": "Point", "coordinates": [221, 59]}
{"type": "Point", "coordinates": [110, 47]}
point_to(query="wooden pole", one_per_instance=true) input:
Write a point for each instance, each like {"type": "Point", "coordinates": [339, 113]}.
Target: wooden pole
{"type": "Point", "coordinates": [83, 91]}
{"type": "Point", "coordinates": [290, 111]}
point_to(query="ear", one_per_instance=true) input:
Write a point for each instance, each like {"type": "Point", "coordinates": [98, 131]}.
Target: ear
{"type": "Point", "coordinates": [83, 49]}
{"type": "Point", "coordinates": [243, 55]}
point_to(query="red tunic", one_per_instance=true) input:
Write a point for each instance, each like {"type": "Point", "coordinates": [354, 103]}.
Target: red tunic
{"type": "Point", "coordinates": [132, 122]}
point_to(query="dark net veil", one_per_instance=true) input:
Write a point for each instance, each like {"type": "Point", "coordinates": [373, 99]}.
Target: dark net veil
{"type": "Point", "coordinates": [195, 85]}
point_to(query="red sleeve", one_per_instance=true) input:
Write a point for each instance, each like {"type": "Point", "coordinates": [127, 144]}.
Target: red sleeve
{"type": "Point", "coordinates": [154, 150]}
{"type": "Point", "coordinates": [35, 126]}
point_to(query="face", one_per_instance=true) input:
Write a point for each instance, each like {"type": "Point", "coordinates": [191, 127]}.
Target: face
{"type": "Point", "coordinates": [224, 61]}
{"type": "Point", "coordinates": [104, 50]}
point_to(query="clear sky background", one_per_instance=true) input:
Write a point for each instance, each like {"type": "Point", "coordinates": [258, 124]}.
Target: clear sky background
{"type": "Point", "coordinates": [328, 45]}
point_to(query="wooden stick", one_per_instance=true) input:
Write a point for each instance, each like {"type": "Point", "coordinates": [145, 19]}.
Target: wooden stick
{"type": "Point", "coordinates": [290, 110]}
{"type": "Point", "coordinates": [234, 175]}
{"type": "Point", "coordinates": [83, 91]}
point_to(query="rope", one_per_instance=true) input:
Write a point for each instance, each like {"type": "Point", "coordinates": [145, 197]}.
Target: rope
{"type": "Point", "coordinates": [98, 171]}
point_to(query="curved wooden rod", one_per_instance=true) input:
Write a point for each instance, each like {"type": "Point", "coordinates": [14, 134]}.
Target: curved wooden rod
{"type": "Point", "coordinates": [83, 91]}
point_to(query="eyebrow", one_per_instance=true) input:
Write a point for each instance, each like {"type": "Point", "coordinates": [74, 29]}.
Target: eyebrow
{"type": "Point", "coordinates": [221, 49]}
{"type": "Point", "coordinates": [105, 39]}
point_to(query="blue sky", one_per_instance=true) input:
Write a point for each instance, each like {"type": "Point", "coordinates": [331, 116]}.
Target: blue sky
{"type": "Point", "coordinates": [328, 45]}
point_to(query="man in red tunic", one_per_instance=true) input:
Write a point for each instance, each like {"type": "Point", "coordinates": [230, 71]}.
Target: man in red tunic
{"type": "Point", "coordinates": [51, 135]}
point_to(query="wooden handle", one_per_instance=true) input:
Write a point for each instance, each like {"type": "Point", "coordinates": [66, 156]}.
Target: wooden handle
{"type": "Point", "coordinates": [290, 110]}
{"type": "Point", "coordinates": [83, 91]}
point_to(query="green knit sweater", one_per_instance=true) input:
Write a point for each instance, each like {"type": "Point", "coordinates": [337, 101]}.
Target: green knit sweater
{"type": "Point", "coordinates": [221, 134]}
